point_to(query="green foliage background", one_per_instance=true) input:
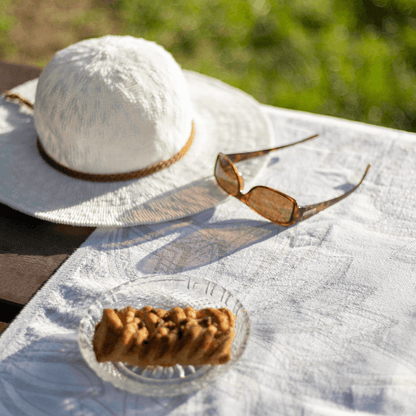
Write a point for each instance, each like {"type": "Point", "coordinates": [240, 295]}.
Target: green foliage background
{"type": "Point", "coordinates": [354, 59]}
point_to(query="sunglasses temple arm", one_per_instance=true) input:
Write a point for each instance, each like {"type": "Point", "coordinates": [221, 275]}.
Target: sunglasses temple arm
{"type": "Point", "coordinates": [238, 157]}
{"type": "Point", "coordinates": [308, 211]}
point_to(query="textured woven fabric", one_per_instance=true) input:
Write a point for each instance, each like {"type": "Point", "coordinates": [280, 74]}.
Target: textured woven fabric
{"type": "Point", "coordinates": [331, 300]}
{"type": "Point", "coordinates": [112, 105]}
{"type": "Point", "coordinates": [226, 120]}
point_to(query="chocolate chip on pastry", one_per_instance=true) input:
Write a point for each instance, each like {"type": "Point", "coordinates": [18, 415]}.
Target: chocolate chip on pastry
{"type": "Point", "coordinates": [151, 336]}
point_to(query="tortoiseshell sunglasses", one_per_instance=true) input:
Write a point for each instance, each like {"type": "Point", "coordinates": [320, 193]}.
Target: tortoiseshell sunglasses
{"type": "Point", "coordinates": [268, 202]}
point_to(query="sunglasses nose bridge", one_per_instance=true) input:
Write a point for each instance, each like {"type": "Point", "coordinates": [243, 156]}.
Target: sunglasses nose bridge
{"type": "Point", "coordinates": [241, 180]}
{"type": "Point", "coordinates": [243, 198]}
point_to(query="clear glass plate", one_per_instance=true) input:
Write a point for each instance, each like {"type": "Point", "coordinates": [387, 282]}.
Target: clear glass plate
{"type": "Point", "coordinates": [163, 292]}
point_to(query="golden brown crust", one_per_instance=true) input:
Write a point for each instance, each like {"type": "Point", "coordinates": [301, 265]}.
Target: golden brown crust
{"type": "Point", "coordinates": [151, 336]}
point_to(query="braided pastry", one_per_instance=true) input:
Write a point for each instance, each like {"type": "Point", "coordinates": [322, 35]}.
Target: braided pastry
{"type": "Point", "coordinates": [151, 336]}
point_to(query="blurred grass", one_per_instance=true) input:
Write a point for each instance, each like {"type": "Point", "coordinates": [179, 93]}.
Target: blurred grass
{"type": "Point", "coordinates": [355, 59]}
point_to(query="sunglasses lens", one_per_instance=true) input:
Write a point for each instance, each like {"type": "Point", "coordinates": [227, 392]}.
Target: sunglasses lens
{"type": "Point", "coordinates": [225, 175]}
{"type": "Point", "coordinates": [270, 204]}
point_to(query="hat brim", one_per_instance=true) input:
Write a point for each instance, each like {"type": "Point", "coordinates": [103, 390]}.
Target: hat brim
{"type": "Point", "coordinates": [226, 120]}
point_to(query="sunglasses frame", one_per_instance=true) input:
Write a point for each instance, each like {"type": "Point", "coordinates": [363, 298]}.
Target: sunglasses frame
{"type": "Point", "coordinates": [298, 213]}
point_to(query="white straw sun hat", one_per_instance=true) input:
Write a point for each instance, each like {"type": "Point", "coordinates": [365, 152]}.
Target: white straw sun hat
{"type": "Point", "coordinates": [127, 137]}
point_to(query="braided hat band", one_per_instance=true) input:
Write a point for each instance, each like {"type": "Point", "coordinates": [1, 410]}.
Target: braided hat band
{"type": "Point", "coordinates": [115, 177]}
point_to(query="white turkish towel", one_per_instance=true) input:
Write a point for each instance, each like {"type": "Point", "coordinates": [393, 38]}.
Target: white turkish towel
{"type": "Point", "coordinates": [331, 300]}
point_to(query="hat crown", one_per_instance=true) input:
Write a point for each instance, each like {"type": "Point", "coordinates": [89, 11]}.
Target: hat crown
{"type": "Point", "coordinates": [112, 105]}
